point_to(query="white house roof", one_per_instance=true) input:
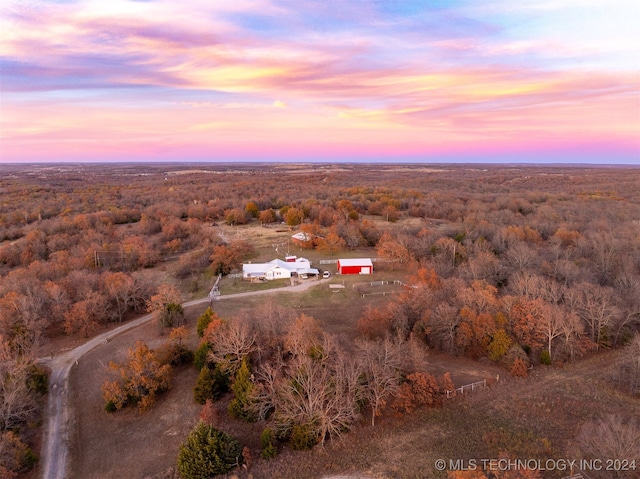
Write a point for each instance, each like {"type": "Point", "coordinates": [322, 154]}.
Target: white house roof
{"type": "Point", "coordinates": [355, 262]}
{"type": "Point", "coordinates": [302, 236]}
{"type": "Point", "coordinates": [251, 268]}
{"type": "Point", "coordinates": [293, 265]}
{"type": "Point", "coordinates": [300, 265]}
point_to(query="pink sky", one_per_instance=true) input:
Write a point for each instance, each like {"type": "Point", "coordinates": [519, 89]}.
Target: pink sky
{"type": "Point", "coordinates": [527, 81]}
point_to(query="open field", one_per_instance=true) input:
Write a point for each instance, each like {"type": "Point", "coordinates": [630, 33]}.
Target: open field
{"type": "Point", "coordinates": [150, 441]}
{"type": "Point", "coordinates": [533, 418]}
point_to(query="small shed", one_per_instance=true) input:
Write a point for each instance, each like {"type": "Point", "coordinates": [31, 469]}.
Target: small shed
{"type": "Point", "coordinates": [355, 266]}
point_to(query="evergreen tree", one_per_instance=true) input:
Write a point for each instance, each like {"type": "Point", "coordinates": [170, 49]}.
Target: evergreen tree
{"type": "Point", "coordinates": [240, 407]}
{"type": "Point", "coordinates": [200, 356]}
{"type": "Point", "coordinates": [203, 321]}
{"type": "Point", "coordinates": [210, 385]}
{"type": "Point", "coordinates": [208, 452]}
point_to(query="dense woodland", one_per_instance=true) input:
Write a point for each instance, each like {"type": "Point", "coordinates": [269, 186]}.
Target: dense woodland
{"type": "Point", "coordinates": [520, 265]}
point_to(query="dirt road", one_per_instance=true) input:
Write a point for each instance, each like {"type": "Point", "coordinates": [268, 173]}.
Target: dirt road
{"type": "Point", "coordinates": [56, 439]}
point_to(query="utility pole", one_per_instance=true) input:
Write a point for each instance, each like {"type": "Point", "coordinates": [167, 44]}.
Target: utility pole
{"type": "Point", "coordinates": [214, 294]}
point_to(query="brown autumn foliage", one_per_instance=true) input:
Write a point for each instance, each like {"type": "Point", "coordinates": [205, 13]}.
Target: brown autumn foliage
{"type": "Point", "coordinates": [563, 238]}
{"type": "Point", "coordinates": [210, 414]}
{"type": "Point", "coordinates": [421, 389]}
{"type": "Point", "coordinates": [138, 380]}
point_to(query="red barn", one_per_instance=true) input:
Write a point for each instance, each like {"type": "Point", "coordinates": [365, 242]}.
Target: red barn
{"type": "Point", "coordinates": [355, 266]}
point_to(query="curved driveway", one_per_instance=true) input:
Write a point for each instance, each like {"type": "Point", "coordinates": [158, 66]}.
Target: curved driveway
{"type": "Point", "coordinates": [56, 439]}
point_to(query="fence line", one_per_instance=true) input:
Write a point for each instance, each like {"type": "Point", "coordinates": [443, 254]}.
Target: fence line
{"type": "Point", "coordinates": [373, 260]}
{"type": "Point", "coordinates": [467, 387]}
{"type": "Point", "coordinates": [372, 283]}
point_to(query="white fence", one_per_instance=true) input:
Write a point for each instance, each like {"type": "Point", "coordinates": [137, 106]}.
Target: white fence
{"type": "Point", "coordinates": [373, 260]}
{"type": "Point", "coordinates": [467, 387]}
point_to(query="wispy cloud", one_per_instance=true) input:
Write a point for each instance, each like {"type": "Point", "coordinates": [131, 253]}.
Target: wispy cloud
{"type": "Point", "coordinates": [95, 75]}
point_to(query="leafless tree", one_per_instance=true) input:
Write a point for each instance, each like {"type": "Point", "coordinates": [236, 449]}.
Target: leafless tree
{"type": "Point", "coordinates": [572, 330]}
{"type": "Point", "coordinates": [597, 307]}
{"type": "Point", "coordinates": [320, 395]}
{"type": "Point", "coordinates": [443, 323]}
{"type": "Point", "coordinates": [611, 438]}
{"type": "Point", "coordinates": [381, 364]}
{"type": "Point", "coordinates": [272, 322]}
{"type": "Point", "coordinates": [448, 253]}
{"type": "Point", "coordinates": [236, 339]}
{"type": "Point", "coordinates": [305, 333]}
{"type": "Point", "coordinates": [628, 375]}
{"type": "Point", "coordinates": [119, 288]}
{"type": "Point", "coordinates": [17, 403]}
{"type": "Point", "coordinates": [551, 326]}
{"type": "Point", "coordinates": [604, 249]}
{"type": "Point", "coordinates": [264, 398]}
{"type": "Point", "coordinates": [484, 266]}
{"type": "Point", "coordinates": [521, 256]}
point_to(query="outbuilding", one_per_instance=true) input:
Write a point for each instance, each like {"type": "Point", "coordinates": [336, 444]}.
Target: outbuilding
{"type": "Point", "coordinates": [355, 266]}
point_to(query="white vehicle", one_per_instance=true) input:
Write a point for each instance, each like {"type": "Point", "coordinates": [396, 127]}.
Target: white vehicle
{"type": "Point", "coordinates": [326, 274]}
{"type": "Point", "coordinates": [304, 276]}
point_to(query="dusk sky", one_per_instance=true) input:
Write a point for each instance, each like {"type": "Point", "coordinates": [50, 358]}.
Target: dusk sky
{"type": "Point", "coordinates": [328, 80]}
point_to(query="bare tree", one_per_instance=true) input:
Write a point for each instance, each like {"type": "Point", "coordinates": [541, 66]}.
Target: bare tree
{"type": "Point", "coordinates": [236, 339]}
{"type": "Point", "coordinates": [571, 333]}
{"type": "Point", "coordinates": [320, 395]}
{"type": "Point", "coordinates": [520, 256]}
{"type": "Point", "coordinates": [305, 333]}
{"type": "Point", "coordinates": [272, 322]}
{"type": "Point", "coordinates": [165, 305]}
{"type": "Point", "coordinates": [484, 266]}
{"type": "Point", "coordinates": [17, 403]}
{"type": "Point", "coordinates": [628, 376]}
{"type": "Point", "coordinates": [381, 363]}
{"type": "Point", "coordinates": [611, 438]}
{"type": "Point", "coordinates": [443, 324]}
{"type": "Point", "coordinates": [597, 307]}
{"type": "Point", "coordinates": [119, 287]}
{"type": "Point", "coordinates": [551, 324]}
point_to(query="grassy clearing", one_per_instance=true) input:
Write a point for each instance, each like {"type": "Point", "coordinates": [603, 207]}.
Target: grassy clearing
{"type": "Point", "coordinates": [534, 418]}
{"type": "Point", "coordinates": [537, 418]}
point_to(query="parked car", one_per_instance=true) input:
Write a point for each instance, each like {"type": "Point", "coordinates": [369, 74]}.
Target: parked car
{"type": "Point", "coordinates": [304, 276]}
{"type": "Point", "coordinates": [326, 274]}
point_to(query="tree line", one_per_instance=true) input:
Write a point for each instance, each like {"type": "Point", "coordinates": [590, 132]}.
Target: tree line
{"type": "Point", "coordinates": [516, 264]}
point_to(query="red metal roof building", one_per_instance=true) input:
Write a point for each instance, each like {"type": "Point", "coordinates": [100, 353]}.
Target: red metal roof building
{"type": "Point", "coordinates": [355, 266]}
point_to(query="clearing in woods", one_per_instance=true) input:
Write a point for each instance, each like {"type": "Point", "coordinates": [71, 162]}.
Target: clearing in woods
{"type": "Point", "coordinates": [129, 444]}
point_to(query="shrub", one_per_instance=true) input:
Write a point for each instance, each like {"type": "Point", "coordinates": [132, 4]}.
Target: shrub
{"type": "Point", "coordinates": [499, 345]}
{"type": "Point", "coordinates": [139, 379]}
{"type": "Point", "coordinates": [175, 355]}
{"type": "Point", "coordinates": [303, 437]}
{"type": "Point", "coordinates": [208, 452]}
{"type": "Point", "coordinates": [421, 389]}
{"type": "Point", "coordinates": [210, 385]}
{"type": "Point", "coordinates": [172, 315]}
{"type": "Point", "coordinates": [200, 356]}
{"type": "Point", "coordinates": [203, 321]}
{"type": "Point", "coordinates": [545, 357]}
{"type": "Point", "coordinates": [269, 450]}
{"type": "Point", "coordinates": [15, 455]}
{"type": "Point", "coordinates": [519, 368]}
{"type": "Point", "coordinates": [210, 414]}
{"type": "Point", "coordinates": [38, 380]}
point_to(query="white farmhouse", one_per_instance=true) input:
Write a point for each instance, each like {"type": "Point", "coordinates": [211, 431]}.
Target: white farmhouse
{"type": "Point", "coordinates": [277, 269]}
